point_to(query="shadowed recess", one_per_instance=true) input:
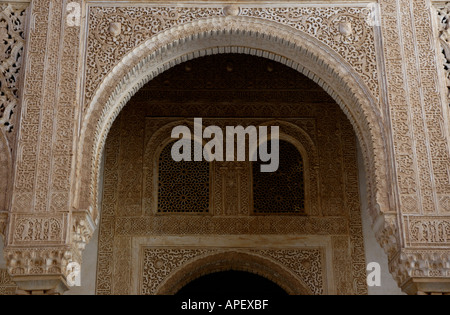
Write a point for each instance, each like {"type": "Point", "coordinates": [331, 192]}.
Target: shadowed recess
{"type": "Point", "coordinates": [232, 283]}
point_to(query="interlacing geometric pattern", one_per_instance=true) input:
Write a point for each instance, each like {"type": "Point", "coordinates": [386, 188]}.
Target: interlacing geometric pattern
{"type": "Point", "coordinates": [183, 186]}
{"type": "Point", "coordinates": [11, 53]}
{"type": "Point", "coordinates": [281, 192]}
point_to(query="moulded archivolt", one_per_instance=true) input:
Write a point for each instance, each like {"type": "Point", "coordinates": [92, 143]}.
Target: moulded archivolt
{"type": "Point", "coordinates": [110, 108]}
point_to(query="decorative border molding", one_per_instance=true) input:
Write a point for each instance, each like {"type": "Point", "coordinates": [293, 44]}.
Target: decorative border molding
{"type": "Point", "coordinates": [206, 225]}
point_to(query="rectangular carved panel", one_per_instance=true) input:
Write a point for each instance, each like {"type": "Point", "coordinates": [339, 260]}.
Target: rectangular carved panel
{"type": "Point", "coordinates": [427, 231]}
{"type": "Point", "coordinates": [44, 230]}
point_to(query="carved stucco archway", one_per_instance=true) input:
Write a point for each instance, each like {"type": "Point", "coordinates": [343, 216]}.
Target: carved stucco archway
{"type": "Point", "coordinates": [234, 261]}
{"type": "Point", "coordinates": [250, 36]}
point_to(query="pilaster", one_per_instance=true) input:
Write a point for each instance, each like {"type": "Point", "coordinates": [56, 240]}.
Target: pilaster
{"type": "Point", "coordinates": [45, 239]}
{"type": "Point", "coordinates": [420, 134]}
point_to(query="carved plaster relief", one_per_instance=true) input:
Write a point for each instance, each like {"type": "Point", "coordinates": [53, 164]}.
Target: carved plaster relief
{"type": "Point", "coordinates": [130, 171]}
{"type": "Point", "coordinates": [343, 29]}
{"type": "Point", "coordinates": [12, 33]}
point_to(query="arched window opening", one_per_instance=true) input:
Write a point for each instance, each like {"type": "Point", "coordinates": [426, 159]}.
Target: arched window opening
{"type": "Point", "coordinates": [183, 187]}
{"type": "Point", "coordinates": [281, 192]}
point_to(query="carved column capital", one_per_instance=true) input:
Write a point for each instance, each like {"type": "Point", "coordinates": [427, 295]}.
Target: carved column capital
{"type": "Point", "coordinates": [415, 270]}
{"type": "Point", "coordinates": [42, 270]}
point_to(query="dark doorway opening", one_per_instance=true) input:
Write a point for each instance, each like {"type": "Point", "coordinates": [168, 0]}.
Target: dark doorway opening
{"type": "Point", "coordinates": [232, 283]}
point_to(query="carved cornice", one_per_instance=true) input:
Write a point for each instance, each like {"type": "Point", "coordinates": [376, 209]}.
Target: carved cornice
{"type": "Point", "coordinates": [40, 261]}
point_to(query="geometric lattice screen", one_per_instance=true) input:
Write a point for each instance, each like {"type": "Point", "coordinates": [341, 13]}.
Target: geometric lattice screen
{"type": "Point", "coordinates": [282, 192]}
{"type": "Point", "coordinates": [183, 186]}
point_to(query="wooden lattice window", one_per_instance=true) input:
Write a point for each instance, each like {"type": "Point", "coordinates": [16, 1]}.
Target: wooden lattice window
{"type": "Point", "coordinates": [183, 187]}
{"type": "Point", "coordinates": [282, 192]}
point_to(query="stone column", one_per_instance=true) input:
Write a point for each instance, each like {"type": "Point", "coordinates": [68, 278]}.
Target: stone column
{"type": "Point", "coordinates": [45, 235]}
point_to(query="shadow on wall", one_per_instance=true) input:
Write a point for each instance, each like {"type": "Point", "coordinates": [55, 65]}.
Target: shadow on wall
{"type": "Point", "coordinates": [88, 269]}
{"type": "Point", "coordinates": [2, 256]}
{"type": "Point", "coordinates": [231, 283]}
{"type": "Point", "coordinates": [374, 252]}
